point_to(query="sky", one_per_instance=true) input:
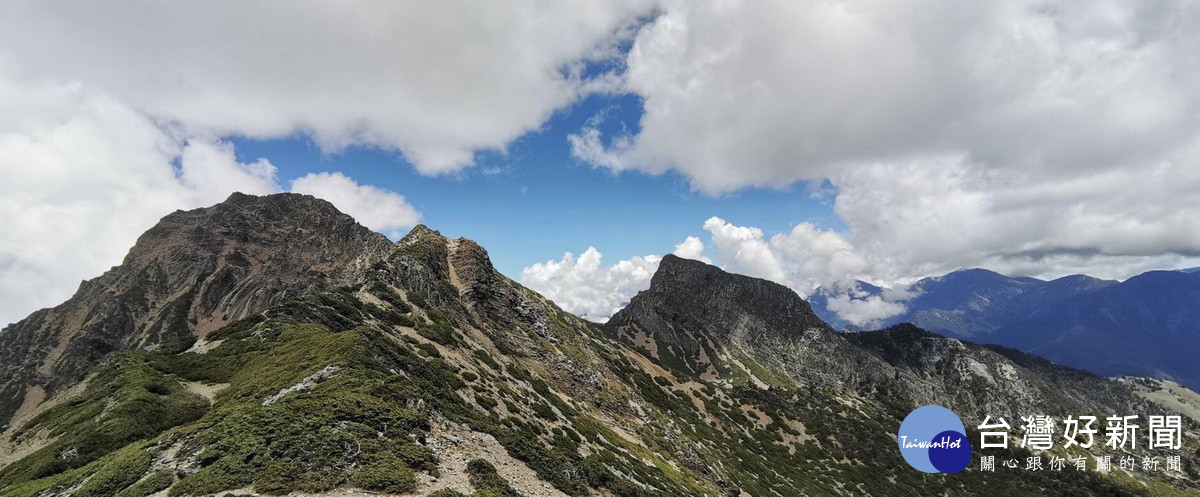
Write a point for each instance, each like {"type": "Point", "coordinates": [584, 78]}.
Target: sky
{"type": "Point", "coordinates": [811, 142]}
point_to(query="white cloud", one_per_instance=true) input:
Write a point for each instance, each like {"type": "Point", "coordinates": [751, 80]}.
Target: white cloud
{"type": "Point", "coordinates": [437, 81]}
{"type": "Point", "coordinates": [1030, 137]}
{"type": "Point", "coordinates": [381, 210]}
{"type": "Point", "coordinates": [743, 250]}
{"type": "Point", "coordinates": [584, 287]}
{"type": "Point", "coordinates": [864, 312]}
{"type": "Point", "coordinates": [1027, 84]}
{"type": "Point", "coordinates": [691, 248]}
{"type": "Point", "coordinates": [929, 217]}
{"type": "Point", "coordinates": [814, 257]}
{"type": "Point", "coordinates": [210, 170]}
{"type": "Point", "coordinates": [802, 259]}
{"type": "Point", "coordinates": [84, 176]}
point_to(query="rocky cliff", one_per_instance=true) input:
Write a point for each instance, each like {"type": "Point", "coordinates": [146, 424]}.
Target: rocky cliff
{"type": "Point", "coordinates": [190, 274]}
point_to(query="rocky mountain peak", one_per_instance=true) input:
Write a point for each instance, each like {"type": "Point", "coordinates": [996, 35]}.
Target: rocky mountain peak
{"type": "Point", "coordinates": [422, 233]}
{"type": "Point", "coordinates": [701, 320]}
{"type": "Point", "coordinates": [276, 226]}
{"type": "Point", "coordinates": [190, 274]}
{"type": "Point", "coordinates": [460, 262]}
{"type": "Point", "coordinates": [710, 297]}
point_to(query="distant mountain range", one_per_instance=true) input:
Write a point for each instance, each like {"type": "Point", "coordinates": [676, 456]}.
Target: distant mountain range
{"type": "Point", "coordinates": [1147, 325]}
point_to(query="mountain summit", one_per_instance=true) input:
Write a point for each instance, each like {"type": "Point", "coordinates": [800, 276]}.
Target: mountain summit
{"type": "Point", "coordinates": [190, 274]}
{"type": "Point", "coordinates": [709, 323]}
{"type": "Point", "coordinates": [272, 346]}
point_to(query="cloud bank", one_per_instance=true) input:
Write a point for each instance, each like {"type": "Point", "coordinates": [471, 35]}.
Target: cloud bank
{"type": "Point", "coordinates": [436, 81]}
{"type": "Point", "coordinates": [112, 115]}
{"type": "Point", "coordinates": [1037, 138]}
{"type": "Point", "coordinates": [954, 134]}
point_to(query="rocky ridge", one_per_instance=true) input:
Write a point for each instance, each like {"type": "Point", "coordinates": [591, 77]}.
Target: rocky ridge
{"type": "Point", "coordinates": [348, 364]}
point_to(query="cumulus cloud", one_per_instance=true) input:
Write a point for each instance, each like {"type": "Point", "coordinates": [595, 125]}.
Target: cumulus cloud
{"type": "Point", "coordinates": [381, 210]}
{"type": "Point", "coordinates": [434, 80]}
{"type": "Point", "coordinates": [584, 287]}
{"type": "Point", "coordinates": [1031, 137]}
{"type": "Point", "coordinates": [743, 250]}
{"type": "Point", "coordinates": [803, 259]}
{"type": "Point", "coordinates": [692, 248]}
{"type": "Point", "coordinates": [1029, 84]}
{"type": "Point", "coordinates": [928, 217]}
{"type": "Point", "coordinates": [864, 312]}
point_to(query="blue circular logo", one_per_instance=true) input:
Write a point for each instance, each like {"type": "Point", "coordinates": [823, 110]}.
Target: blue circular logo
{"type": "Point", "coordinates": [932, 439]}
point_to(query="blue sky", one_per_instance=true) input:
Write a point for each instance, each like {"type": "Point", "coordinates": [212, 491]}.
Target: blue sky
{"type": "Point", "coordinates": [536, 201]}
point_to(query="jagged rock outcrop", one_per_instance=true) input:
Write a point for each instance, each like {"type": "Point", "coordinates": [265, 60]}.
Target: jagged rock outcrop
{"type": "Point", "coordinates": [701, 320]}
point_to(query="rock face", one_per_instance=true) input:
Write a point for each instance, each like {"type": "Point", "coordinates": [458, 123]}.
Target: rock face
{"type": "Point", "coordinates": [703, 321]}
{"type": "Point", "coordinates": [272, 344]}
{"type": "Point", "coordinates": [192, 273]}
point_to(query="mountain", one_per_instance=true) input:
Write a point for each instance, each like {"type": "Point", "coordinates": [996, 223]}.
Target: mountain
{"type": "Point", "coordinates": [272, 346]}
{"type": "Point", "coordinates": [1148, 325]}
{"type": "Point", "coordinates": [970, 303]}
{"type": "Point", "coordinates": [192, 273]}
{"type": "Point", "coordinates": [693, 312]}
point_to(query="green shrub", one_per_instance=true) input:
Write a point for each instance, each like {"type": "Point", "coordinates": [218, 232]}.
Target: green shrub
{"type": "Point", "coordinates": [429, 349]}
{"type": "Point", "coordinates": [386, 294]}
{"type": "Point", "coordinates": [487, 482]}
{"type": "Point", "coordinates": [437, 331]}
{"type": "Point", "coordinates": [153, 483]}
{"type": "Point", "coordinates": [128, 400]}
{"type": "Point", "coordinates": [486, 358]}
{"type": "Point", "coordinates": [125, 468]}
{"type": "Point", "coordinates": [544, 411]}
{"type": "Point", "coordinates": [485, 402]}
{"type": "Point", "coordinates": [417, 457]}
{"type": "Point", "coordinates": [386, 476]}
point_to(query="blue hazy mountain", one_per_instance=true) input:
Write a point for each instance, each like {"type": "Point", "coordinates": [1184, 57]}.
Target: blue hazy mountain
{"type": "Point", "coordinates": [1148, 325]}
{"type": "Point", "coordinates": [969, 303]}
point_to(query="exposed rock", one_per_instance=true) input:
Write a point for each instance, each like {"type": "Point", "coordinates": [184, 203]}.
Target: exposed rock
{"type": "Point", "coordinates": [191, 273]}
